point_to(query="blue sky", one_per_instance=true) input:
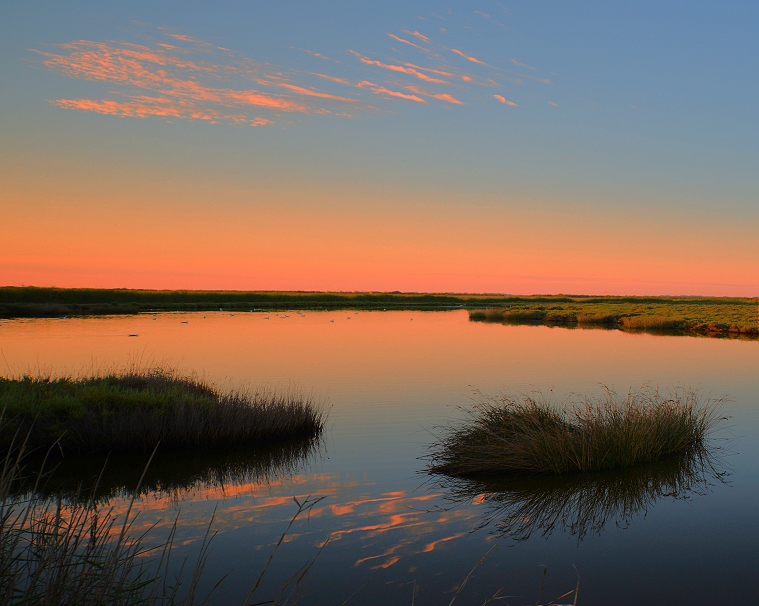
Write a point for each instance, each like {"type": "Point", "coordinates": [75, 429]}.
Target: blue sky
{"type": "Point", "coordinates": [571, 108]}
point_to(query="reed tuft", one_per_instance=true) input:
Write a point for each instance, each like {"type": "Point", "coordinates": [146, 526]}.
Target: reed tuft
{"type": "Point", "coordinates": [533, 435]}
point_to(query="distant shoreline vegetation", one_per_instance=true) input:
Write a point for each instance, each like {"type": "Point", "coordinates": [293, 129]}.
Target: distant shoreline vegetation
{"type": "Point", "coordinates": [130, 412]}
{"type": "Point", "coordinates": [712, 316]}
{"type": "Point", "coordinates": [708, 316]}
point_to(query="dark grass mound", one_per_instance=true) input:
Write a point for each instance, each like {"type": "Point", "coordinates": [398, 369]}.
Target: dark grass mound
{"type": "Point", "coordinates": [529, 435]}
{"type": "Point", "coordinates": [131, 412]}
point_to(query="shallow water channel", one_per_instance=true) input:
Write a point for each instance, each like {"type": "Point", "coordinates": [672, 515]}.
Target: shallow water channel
{"type": "Point", "coordinates": [660, 535]}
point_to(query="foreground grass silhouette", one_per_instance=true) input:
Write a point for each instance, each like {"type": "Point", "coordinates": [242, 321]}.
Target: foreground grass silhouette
{"type": "Point", "coordinates": [130, 412]}
{"type": "Point", "coordinates": [532, 435]}
{"type": "Point", "coordinates": [87, 553]}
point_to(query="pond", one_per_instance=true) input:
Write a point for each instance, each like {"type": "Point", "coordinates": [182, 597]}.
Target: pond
{"type": "Point", "coordinates": [390, 380]}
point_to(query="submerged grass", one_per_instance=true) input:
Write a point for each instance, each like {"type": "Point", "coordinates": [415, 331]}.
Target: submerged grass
{"type": "Point", "coordinates": [532, 435]}
{"type": "Point", "coordinates": [131, 411]}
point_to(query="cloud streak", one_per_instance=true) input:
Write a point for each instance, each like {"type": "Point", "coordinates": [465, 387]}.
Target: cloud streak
{"type": "Point", "coordinates": [467, 57]}
{"type": "Point", "coordinates": [173, 76]}
{"type": "Point", "coordinates": [398, 68]}
{"type": "Point", "coordinates": [163, 81]}
{"type": "Point", "coordinates": [504, 100]}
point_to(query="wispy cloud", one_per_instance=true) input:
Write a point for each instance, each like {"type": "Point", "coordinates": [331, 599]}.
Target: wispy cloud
{"type": "Point", "coordinates": [404, 41]}
{"type": "Point", "coordinates": [504, 100]}
{"type": "Point", "coordinates": [175, 76]}
{"type": "Point", "coordinates": [378, 89]}
{"type": "Point", "coordinates": [398, 68]}
{"type": "Point", "coordinates": [467, 57]}
{"type": "Point", "coordinates": [440, 96]}
{"type": "Point", "coordinates": [416, 34]}
{"type": "Point", "coordinates": [520, 64]}
{"type": "Point", "coordinates": [163, 81]}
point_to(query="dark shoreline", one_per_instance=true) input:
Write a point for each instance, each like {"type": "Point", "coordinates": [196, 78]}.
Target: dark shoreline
{"type": "Point", "coordinates": [726, 317]}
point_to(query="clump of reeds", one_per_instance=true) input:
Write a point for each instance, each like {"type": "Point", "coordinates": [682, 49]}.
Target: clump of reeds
{"type": "Point", "coordinates": [133, 410]}
{"type": "Point", "coordinates": [533, 435]}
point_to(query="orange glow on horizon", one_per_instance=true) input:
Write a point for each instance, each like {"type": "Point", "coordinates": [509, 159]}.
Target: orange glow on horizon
{"type": "Point", "coordinates": [332, 247]}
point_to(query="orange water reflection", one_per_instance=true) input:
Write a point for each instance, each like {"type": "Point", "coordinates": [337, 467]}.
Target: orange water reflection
{"type": "Point", "coordinates": [389, 379]}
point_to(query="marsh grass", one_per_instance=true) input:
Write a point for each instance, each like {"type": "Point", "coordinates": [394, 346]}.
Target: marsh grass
{"type": "Point", "coordinates": [132, 410]}
{"type": "Point", "coordinates": [533, 435]}
{"type": "Point", "coordinates": [713, 317]}
{"type": "Point", "coordinates": [79, 551]}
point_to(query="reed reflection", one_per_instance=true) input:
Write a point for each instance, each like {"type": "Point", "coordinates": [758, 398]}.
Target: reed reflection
{"type": "Point", "coordinates": [174, 475]}
{"type": "Point", "coordinates": [584, 503]}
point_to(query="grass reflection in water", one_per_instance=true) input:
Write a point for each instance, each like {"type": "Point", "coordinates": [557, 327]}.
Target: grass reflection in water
{"type": "Point", "coordinates": [583, 503]}
{"type": "Point", "coordinates": [175, 474]}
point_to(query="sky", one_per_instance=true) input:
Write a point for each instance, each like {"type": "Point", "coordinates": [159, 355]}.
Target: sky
{"type": "Point", "coordinates": [522, 147]}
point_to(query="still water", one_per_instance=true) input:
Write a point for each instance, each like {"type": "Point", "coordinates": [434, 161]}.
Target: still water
{"type": "Point", "coordinates": [390, 380]}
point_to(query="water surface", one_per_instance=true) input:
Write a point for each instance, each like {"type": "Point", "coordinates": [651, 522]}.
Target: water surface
{"type": "Point", "coordinates": [390, 379]}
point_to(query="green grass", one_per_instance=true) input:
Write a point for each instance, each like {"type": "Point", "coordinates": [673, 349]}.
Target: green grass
{"type": "Point", "coordinates": [131, 411]}
{"type": "Point", "coordinates": [533, 435]}
{"type": "Point", "coordinates": [56, 302]}
{"type": "Point", "coordinates": [713, 317]}
{"type": "Point", "coordinates": [707, 315]}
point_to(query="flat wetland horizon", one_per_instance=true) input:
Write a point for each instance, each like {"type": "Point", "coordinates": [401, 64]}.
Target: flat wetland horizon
{"type": "Point", "coordinates": [392, 381]}
{"type": "Point", "coordinates": [732, 317]}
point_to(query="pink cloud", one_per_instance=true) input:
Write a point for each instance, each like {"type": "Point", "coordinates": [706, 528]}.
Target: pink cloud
{"type": "Point", "coordinates": [504, 100]}
{"type": "Point", "coordinates": [467, 57]}
{"type": "Point", "coordinates": [312, 93]}
{"type": "Point", "coordinates": [334, 79]}
{"type": "Point", "coordinates": [441, 96]}
{"type": "Point", "coordinates": [145, 107]}
{"type": "Point", "coordinates": [173, 85]}
{"type": "Point", "coordinates": [381, 90]}
{"type": "Point", "coordinates": [404, 41]}
{"type": "Point", "coordinates": [431, 70]}
{"type": "Point", "coordinates": [182, 37]}
{"type": "Point", "coordinates": [398, 68]}
{"type": "Point", "coordinates": [418, 35]}
{"type": "Point", "coordinates": [184, 78]}
{"type": "Point", "coordinates": [520, 64]}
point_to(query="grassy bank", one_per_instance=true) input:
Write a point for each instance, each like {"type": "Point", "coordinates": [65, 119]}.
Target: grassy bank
{"type": "Point", "coordinates": [130, 412]}
{"type": "Point", "coordinates": [715, 317]}
{"type": "Point", "coordinates": [708, 315]}
{"type": "Point", "coordinates": [527, 435]}
{"type": "Point", "coordinates": [55, 302]}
